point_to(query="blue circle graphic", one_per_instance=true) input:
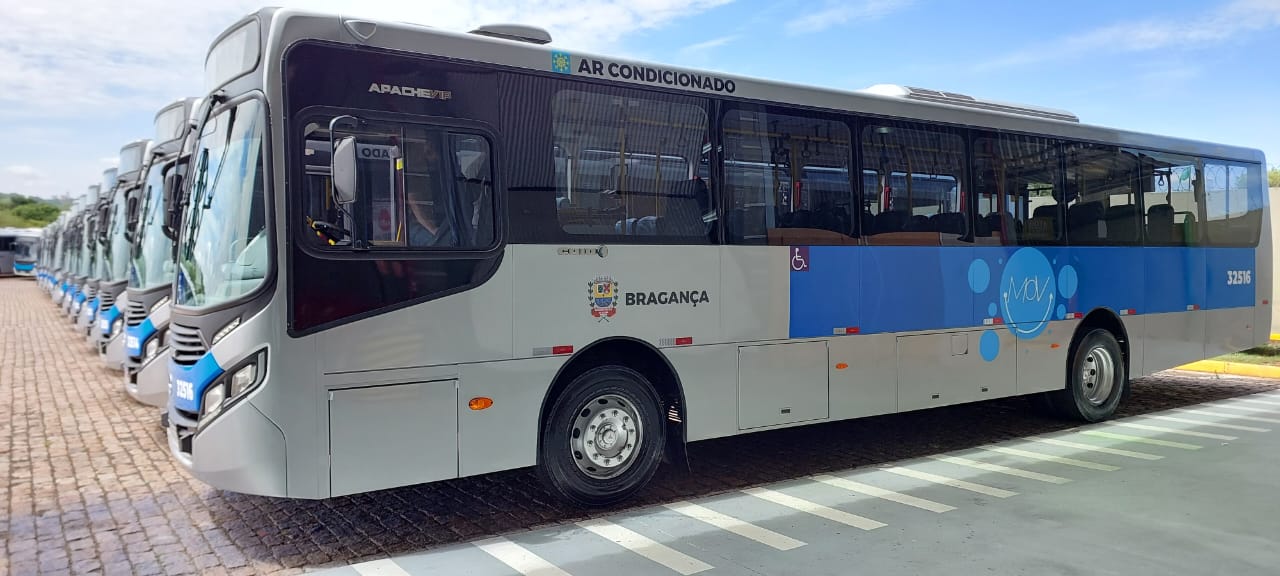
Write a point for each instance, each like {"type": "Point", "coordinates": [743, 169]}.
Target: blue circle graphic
{"type": "Point", "coordinates": [1062, 311]}
{"type": "Point", "coordinates": [1027, 294]}
{"type": "Point", "coordinates": [989, 345]}
{"type": "Point", "coordinates": [1068, 281]}
{"type": "Point", "coordinates": [991, 310]}
{"type": "Point", "coordinates": [979, 276]}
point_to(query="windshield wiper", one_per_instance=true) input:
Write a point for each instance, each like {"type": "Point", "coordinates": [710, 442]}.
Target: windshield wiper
{"type": "Point", "coordinates": [222, 159]}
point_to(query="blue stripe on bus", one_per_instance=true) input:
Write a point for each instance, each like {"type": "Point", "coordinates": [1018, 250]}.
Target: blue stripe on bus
{"type": "Point", "coordinates": [193, 379]}
{"type": "Point", "coordinates": [902, 288]}
{"type": "Point", "coordinates": [20, 267]}
{"type": "Point", "coordinates": [110, 316]}
{"type": "Point", "coordinates": [138, 335]}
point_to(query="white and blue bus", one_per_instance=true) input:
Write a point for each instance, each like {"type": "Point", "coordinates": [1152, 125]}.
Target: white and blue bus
{"type": "Point", "coordinates": [82, 249]}
{"type": "Point", "coordinates": [146, 353]}
{"type": "Point", "coordinates": [411, 255]}
{"type": "Point", "coordinates": [117, 238]}
{"type": "Point", "coordinates": [19, 251]}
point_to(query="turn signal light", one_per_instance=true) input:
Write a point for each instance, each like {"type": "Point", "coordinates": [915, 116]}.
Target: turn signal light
{"type": "Point", "coordinates": [841, 366]}
{"type": "Point", "coordinates": [480, 403]}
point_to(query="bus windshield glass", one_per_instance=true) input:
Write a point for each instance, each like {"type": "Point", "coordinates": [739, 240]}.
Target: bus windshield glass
{"type": "Point", "coordinates": [116, 252]}
{"type": "Point", "coordinates": [152, 263]}
{"type": "Point", "coordinates": [223, 251]}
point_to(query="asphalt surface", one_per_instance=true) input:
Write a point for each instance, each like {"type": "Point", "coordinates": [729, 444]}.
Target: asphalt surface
{"type": "Point", "coordinates": [87, 484]}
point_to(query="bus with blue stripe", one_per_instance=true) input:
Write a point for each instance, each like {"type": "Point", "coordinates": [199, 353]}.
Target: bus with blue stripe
{"type": "Point", "coordinates": [117, 240]}
{"type": "Point", "coordinates": [80, 249]}
{"type": "Point", "coordinates": [146, 353]}
{"type": "Point", "coordinates": [19, 250]}
{"type": "Point", "coordinates": [429, 255]}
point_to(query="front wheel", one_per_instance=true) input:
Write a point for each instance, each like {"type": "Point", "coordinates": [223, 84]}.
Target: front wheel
{"type": "Point", "coordinates": [603, 437]}
{"type": "Point", "coordinates": [1096, 379]}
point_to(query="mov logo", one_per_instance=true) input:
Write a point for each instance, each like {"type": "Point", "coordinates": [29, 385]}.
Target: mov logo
{"type": "Point", "coordinates": [1028, 293]}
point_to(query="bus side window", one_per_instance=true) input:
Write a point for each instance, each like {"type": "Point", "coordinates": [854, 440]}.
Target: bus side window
{"type": "Point", "coordinates": [1169, 194]}
{"type": "Point", "coordinates": [918, 194]}
{"type": "Point", "coordinates": [1019, 189]}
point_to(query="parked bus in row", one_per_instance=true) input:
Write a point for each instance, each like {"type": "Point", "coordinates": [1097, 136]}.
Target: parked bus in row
{"type": "Point", "coordinates": [117, 238]}
{"type": "Point", "coordinates": [19, 248]}
{"type": "Point", "coordinates": [84, 252]}
{"type": "Point", "coordinates": [146, 353]}
{"type": "Point", "coordinates": [47, 266]}
{"type": "Point", "coordinates": [429, 255]}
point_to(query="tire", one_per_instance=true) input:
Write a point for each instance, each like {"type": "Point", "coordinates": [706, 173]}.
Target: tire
{"type": "Point", "coordinates": [612, 407]}
{"type": "Point", "coordinates": [1097, 379]}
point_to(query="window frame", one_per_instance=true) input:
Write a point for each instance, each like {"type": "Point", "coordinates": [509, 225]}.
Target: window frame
{"type": "Point", "coordinates": [298, 181]}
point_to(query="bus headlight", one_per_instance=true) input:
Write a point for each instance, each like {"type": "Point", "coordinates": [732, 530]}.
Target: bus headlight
{"type": "Point", "coordinates": [233, 385]}
{"type": "Point", "coordinates": [152, 348]}
{"type": "Point", "coordinates": [158, 304]}
{"type": "Point", "coordinates": [116, 325]}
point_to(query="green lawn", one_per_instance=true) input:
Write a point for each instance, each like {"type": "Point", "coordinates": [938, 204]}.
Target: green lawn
{"type": "Point", "coordinates": [1267, 355]}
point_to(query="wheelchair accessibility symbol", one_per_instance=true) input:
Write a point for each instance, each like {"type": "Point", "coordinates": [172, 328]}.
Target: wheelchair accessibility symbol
{"type": "Point", "coordinates": [800, 259]}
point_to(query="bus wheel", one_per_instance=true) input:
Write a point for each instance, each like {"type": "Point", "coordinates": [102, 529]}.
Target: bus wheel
{"type": "Point", "coordinates": [1096, 379]}
{"type": "Point", "coordinates": [602, 438]}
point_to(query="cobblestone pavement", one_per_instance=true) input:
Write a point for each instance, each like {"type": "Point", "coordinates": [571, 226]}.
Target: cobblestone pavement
{"type": "Point", "coordinates": [87, 486]}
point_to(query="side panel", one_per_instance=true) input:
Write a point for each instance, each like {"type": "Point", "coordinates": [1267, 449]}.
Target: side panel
{"type": "Point", "coordinates": [782, 384]}
{"type": "Point", "coordinates": [1042, 362]}
{"type": "Point", "coordinates": [867, 385]}
{"type": "Point", "coordinates": [387, 436]}
{"type": "Point", "coordinates": [710, 389]}
{"type": "Point", "coordinates": [756, 293]}
{"type": "Point", "coordinates": [1231, 295]}
{"type": "Point", "coordinates": [505, 435]}
{"type": "Point", "coordinates": [1135, 328]}
{"type": "Point", "coordinates": [1173, 339]}
{"type": "Point", "coordinates": [951, 368]}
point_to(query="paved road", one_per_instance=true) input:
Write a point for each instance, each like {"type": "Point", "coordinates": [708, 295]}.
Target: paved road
{"type": "Point", "coordinates": [86, 484]}
{"type": "Point", "coordinates": [1174, 492]}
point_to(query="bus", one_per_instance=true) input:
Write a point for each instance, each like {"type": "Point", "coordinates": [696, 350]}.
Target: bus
{"type": "Point", "coordinates": [146, 353]}
{"type": "Point", "coordinates": [520, 255]}
{"type": "Point", "coordinates": [19, 249]}
{"type": "Point", "coordinates": [117, 239]}
{"type": "Point", "coordinates": [46, 265]}
{"type": "Point", "coordinates": [83, 253]}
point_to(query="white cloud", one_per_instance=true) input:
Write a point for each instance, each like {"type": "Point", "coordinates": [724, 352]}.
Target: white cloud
{"type": "Point", "coordinates": [837, 13]}
{"type": "Point", "coordinates": [21, 171]}
{"type": "Point", "coordinates": [707, 46]}
{"type": "Point", "coordinates": [84, 63]}
{"type": "Point", "coordinates": [1166, 32]}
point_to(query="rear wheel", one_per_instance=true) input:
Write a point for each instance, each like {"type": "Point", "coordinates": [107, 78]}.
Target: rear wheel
{"type": "Point", "coordinates": [602, 438]}
{"type": "Point", "coordinates": [1096, 379]}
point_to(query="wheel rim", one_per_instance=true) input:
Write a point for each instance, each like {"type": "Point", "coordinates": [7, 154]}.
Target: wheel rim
{"type": "Point", "coordinates": [606, 436]}
{"type": "Point", "coordinates": [1097, 374]}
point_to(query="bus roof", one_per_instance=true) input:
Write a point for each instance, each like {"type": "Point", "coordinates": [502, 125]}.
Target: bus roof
{"type": "Point", "coordinates": [285, 26]}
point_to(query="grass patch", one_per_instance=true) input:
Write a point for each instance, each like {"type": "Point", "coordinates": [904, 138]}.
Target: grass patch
{"type": "Point", "coordinates": [1265, 355]}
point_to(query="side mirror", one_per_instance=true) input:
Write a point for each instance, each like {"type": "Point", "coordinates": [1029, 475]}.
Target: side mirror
{"type": "Point", "coordinates": [343, 170]}
{"type": "Point", "coordinates": [172, 212]}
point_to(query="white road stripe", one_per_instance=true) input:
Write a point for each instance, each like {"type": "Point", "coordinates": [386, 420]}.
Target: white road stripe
{"type": "Point", "coordinates": [952, 482]}
{"type": "Point", "coordinates": [989, 467]}
{"type": "Point", "coordinates": [1164, 430]}
{"type": "Point", "coordinates": [1093, 448]}
{"type": "Point", "coordinates": [1054, 459]}
{"type": "Point", "coordinates": [740, 527]}
{"type": "Point", "coordinates": [814, 508]}
{"type": "Point", "coordinates": [1210, 424]}
{"type": "Point", "coordinates": [1258, 401]}
{"type": "Point", "coordinates": [876, 492]}
{"type": "Point", "coordinates": [1253, 409]}
{"type": "Point", "coordinates": [645, 546]}
{"type": "Point", "coordinates": [1230, 416]}
{"type": "Point", "coordinates": [383, 567]}
{"type": "Point", "coordinates": [1140, 439]}
{"type": "Point", "coordinates": [518, 558]}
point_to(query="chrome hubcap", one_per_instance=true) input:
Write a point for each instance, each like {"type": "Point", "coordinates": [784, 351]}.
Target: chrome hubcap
{"type": "Point", "coordinates": [606, 435]}
{"type": "Point", "coordinates": [1098, 375]}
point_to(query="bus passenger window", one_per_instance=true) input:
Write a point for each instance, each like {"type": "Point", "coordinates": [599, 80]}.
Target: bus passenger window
{"type": "Point", "coordinates": [1102, 188]}
{"type": "Point", "coordinates": [1017, 179]}
{"type": "Point", "coordinates": [917, 197]}
{"type": "Point", "coordinates": [1233, 196]}
{"type": "Point", "coordinates": [1169, 184]}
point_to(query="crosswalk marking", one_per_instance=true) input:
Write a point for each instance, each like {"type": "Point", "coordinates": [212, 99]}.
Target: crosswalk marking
{"type": "Point", "coordinates": [953, 482]}
{"type": "Point", "coordinates": [1230, 416]}
{"type": "Point", "coordinates": [645, 546]}
{"type": "Point", "coordinates": [518, 557]}
{"type": "Point", "coordinates": [876, 492]}
{"type": "Point", "coordinates": [1000, 469]}
{"type": "Point", "coordinates": [815, 509]}
{"type": "Point", "coordinates": [1259, 401]}
{"type": "Point", "coordinates": [1253, 409]}
{"type": "Point", "coordinates": [736, 526]}
{"type": "Point", "coordinates": [383, 567]}
{"type": "Point", "coordinates": [1140, 439]}
{"type": "Point", "coordinates": [1164, 430]}
{"type": "Point", "coordinates": [1211, 424]}
{"type": "Point", "coordinates": [1092, 448]}
{"type": "Point", "coordinates": [1054, 459]}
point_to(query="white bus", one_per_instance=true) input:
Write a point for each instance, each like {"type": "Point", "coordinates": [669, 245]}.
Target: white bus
{"type": "Point", "coordinates": [19, 250]}
{"type": "Point", "coordinates": [585, 263]}
{"type": "Point", "coordinates": [117, 239]}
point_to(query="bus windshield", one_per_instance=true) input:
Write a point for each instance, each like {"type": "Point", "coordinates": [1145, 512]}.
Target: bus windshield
{"type": "Point", "coordinates": [152, 262]}
{"type": "Point", "coordinates": [223, 251]}
{"type": "Point", "coordinates": [88, 262]}
{"type": "Point", "coordinates": [116, 252]}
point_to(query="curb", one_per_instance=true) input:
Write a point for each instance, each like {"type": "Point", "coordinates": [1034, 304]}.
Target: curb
{"type": "Point", "coordinates": [1233, 368]}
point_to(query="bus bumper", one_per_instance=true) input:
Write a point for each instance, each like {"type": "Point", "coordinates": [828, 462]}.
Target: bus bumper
{"type": "Point", "coordinates": [111, 351]}
{"type": "Point", "coordinates": [149, 383]}
{"type": "Point", "coordinates": [240, 450]}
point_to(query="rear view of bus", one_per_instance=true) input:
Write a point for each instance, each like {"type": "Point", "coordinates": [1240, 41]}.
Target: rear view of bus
{"type": "Point", "coordinates": [151, 274]}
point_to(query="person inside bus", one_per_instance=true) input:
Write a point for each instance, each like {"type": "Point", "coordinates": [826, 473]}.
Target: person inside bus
{"type": "Point", "coordinates": [427, 195]}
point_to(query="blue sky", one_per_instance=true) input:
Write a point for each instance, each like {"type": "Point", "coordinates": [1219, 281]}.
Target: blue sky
{"type": "Point", "coordinates": [80, 78]}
